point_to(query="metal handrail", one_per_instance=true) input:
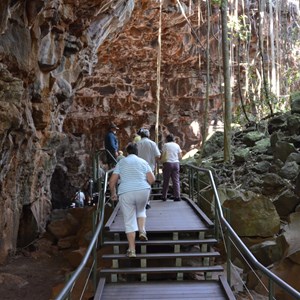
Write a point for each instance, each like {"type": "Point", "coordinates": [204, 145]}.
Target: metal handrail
{"type": "Point", "coordinates": [241, 246]}
{"type": "Point", "coordinates": [64, 294]}
{"type": "Point", "coordinates": [230, 233]}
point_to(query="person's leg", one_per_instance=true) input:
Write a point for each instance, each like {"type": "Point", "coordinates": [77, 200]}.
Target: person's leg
{"type": "Point", "coordinates": [141, 224]}
{"type": "Point", "coordinates": [148, 205]}
{"type": "Point", "coordinates": [127, 202]}
{"type": "Point", "coordinates": [176, 180]}
{"type": "Point", "coordinates": [166, 179]}
{"type": "Point", "coordinates": [131, 240]}
{"type": "Point", "coordinates": [142, 198]}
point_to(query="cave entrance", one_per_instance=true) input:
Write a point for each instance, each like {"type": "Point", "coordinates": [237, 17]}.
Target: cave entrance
{"type": "Point", "coordinates": [28, 229]}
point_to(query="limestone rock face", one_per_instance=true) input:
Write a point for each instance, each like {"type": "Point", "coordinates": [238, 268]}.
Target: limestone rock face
{"type": "Point", "coordinates": [46, 47]}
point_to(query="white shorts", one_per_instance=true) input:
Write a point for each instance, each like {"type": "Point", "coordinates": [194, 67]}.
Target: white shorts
{"type": "Point", "coordinates": [133, 206]}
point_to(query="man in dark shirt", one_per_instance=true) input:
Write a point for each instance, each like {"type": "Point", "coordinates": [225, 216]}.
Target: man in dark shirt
{"type": "Point", "coordinates": [111, 145]}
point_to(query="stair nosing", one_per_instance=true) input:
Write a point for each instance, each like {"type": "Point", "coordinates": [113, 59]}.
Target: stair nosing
{"type": "Point", "coordinates": [164, 255]}
{"type": "Point", "coordinates": [216, 268]}
{"type": "Point", "coordinates": [163, 242]}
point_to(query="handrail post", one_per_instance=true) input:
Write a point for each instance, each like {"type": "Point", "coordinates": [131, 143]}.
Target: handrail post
{"type": "Point", "coordinates": [101, 203]}
{"type": "Point", "coordinates": [95, 253]}
{"type": "Point", "coordinates": [192, 184]}
{"type": "Point", "coordinates": [271, 289]}
{"type": "Point", "coordinates": [228, 258]}
{"type": "Point", "coordinates": [95, 164]}
{"type": "Point", "coordinates": [216, 216]}
{"type": "Point", "coordinates": [189, 179]}
{"type": "Point", "coordinates": [198, 187]}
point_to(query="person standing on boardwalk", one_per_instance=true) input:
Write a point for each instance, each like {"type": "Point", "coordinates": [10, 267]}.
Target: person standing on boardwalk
{"type": "Point", "coordinates": [79, 198]}
{"type": "Point", "coordinates": [135, 178]}
{"type": "Point", "coordinates": [171, 155]}
{"type": "Point", "coordinates": [148, 150]}
{"type": "Point", "coordinates": [111, 145]}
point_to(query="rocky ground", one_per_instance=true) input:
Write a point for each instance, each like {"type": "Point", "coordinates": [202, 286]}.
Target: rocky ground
{"type": "Point", "coordinates": [32, 275]}
{"type": "Point", "coordinates": [266, 163]}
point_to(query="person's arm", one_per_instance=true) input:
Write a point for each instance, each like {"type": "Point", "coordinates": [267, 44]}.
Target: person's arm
{"type": "Point", "coordinates": [150, 177]}
{"type": "Point", "coordinates": [116, 145]}
{"type": "Point", "coordinates": [157, 153]}
{"type": "Point", "coordinates": [180, 155]}
{"type": "Point", "coordinates": [112, 186]}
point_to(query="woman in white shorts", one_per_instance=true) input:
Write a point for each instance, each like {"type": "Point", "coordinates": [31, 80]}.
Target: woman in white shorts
{"type": "Point", "coordinates": [135, 178]}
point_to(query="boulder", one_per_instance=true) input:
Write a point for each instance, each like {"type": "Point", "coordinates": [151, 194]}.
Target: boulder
{"type": "Point", "coordinates": [286, 203]}
{"type": "Point", "coordinates": [293, 238]}
{"type": "Point", "coordinates": [253, 215]}
{"type": "Point", "coordinates": [290, 170]}
{"type": "Point", "coordinates": [267, 252]}
{"type": "Point", "coordinates": [63, 227]}
{"type": "Point", "coordinates": [283, 150]}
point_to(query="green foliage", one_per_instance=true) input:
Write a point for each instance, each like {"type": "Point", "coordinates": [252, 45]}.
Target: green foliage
{"type": "Point", "coordinates": [239, 28]}
{"type": "Point", "coordinates": [216, 2]}
{"type": "Point", "coordinates": [291, 76]}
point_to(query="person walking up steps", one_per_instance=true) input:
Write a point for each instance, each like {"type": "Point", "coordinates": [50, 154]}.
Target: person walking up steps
{"type": "Point", "coordinates": [135, 178]}
{"type": "Point", "coordinates": [148, 150]}
{"type": "Point", "coordinates": [171, 155]}
{"type": "Point", "coordinates": [111, 145]}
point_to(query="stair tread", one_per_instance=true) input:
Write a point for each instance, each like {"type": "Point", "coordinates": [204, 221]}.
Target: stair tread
{"type": "Point", "coordinates": [164, 242]}
{"type": "Point", "coordinates": [163, 255]}
{"type": "Point", "coordinates": [163, 269]}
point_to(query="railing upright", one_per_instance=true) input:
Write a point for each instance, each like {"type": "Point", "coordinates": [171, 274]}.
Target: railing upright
{"type": "Point", "coordinates": [95, 253]}
{"type": "Point", "coordinates": [271, 289]}
{"type": "Point", "coordinates": [92, 248]}
{"type": "Point", "coordinates": [231, 238]}
{"type": "Point", "coordinates": [228, 256]}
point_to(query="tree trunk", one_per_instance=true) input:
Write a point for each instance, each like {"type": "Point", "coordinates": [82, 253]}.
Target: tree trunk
{"type": "Point", "coordinates": [227, 86]}
{"type": "Point", "coordinates": [158, 78]}
{"type": "Point", "coordinates": [205, 118]}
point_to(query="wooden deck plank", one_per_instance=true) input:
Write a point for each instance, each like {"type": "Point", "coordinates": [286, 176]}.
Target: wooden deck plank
{"type": "Point", "coordinates": [163, 255]}
{"type": "Point", "coordinates": [164, 242]}
{"type": "Point", "coordinates": [163, 290]}
{"type": "Point", "coordinates": [165, 216]}
{"type": "Point", "coordinates": [163, 219]}
{"type": "Point", "coordinates": [162, 270]}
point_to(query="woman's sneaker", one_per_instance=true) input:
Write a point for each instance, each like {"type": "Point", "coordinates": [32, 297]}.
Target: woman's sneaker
{"type": "Point", "coordinates": [143, 236]}
{"type": "Point", "coordinates": [131, 253]}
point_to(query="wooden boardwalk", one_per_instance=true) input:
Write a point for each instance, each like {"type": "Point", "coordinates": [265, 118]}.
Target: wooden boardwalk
{"type": "Point", "coordinates": [214, 290]}
{"type": "Point", "coordinates": [164, 268]}
{"type": "Point", "coordinates": [166, 216]}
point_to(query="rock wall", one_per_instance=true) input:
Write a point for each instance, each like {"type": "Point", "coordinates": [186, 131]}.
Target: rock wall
{"type": "Point", "coordinates": [46, 47]}
{"type": "Point", "coordinates": [69, 68]}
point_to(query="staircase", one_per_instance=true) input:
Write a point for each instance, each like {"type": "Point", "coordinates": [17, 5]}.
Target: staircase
{"type": "Point", "coordinates": [160, 258]}
{"type": "Point", "coordinates": [165, 266]}
{"type": "Point", "coordinates": [179, 250]}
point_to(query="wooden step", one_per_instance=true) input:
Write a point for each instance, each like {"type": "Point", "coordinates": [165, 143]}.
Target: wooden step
{"type": "Point", "coordinates": [163, 242]}
{"type": "Point", "coordinates": [157, 195]}
{"type": "Point", "coordinates": [164, 255]}
{"type": "Point", "coordinates": [156, 188]}
{"type": "Point", "coordinates": [200, 290]}
{"type": "Point", "coordinates": [153, 270]}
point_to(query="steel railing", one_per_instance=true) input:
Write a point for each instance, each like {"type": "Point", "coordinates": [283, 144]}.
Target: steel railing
{"type": "Point", "coordinates": [231, 237]}
{"type": "Point", "coordinates": [93, 246]}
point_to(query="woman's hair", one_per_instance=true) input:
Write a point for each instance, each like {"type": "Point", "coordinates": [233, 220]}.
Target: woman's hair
{"type": "Point", "coordinates": [132, 148]}
{"type": "Point", "coordinates": [170, 138]}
